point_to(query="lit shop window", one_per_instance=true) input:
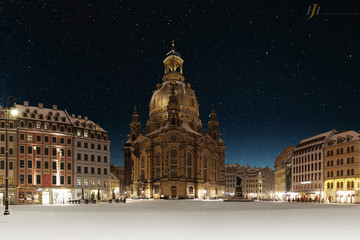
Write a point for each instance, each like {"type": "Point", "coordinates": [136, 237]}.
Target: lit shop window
{"type": "Point", "coordinates": [99, 183]}
{"type": "Point", "coordinates": [92, 182]}
{"type": "Point", "coordinates": [105, 183]}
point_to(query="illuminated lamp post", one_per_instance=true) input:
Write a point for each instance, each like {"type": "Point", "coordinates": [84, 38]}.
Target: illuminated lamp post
{"type": "Point", "coordinates": [14, 112]}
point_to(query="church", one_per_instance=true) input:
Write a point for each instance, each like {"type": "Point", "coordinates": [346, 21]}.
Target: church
{"type": "Point", "coordinates": [174, 158]}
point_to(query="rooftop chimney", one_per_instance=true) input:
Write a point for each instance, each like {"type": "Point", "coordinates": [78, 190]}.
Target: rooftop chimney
{"type": "Point", "coordinates": [86, 118]}
{"type": "Point", "coordinates": [54, 107]}
{"type": "Point", "coordinates": [40, 105]}
{"type": "Point", "coordinates": [73, 115]}
{"type": "Point", "coordinates": [26, 103]}
{"type": "Point", "coordinates": [79, 116]}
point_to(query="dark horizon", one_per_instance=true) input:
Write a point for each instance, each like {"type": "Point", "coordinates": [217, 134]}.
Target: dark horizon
{"type": "Point", "coordinates": [274, 77]}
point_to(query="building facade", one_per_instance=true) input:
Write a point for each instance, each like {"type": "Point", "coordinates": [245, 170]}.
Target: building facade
{"type": "Point", "coordinates": [114, 187]}
{"type": "Point", "coordinates": [231, 179]}
{"type": "Point", "coordinates": [307, 167]}
{"type": "Point", "coordinates": [119, 172]}
{"type": "Point", "coordinates": [43, 143]}
{"type": "Point", "coordinates": [342, 168]}
{"type": "Point", "coordinates": [12, 157]}
{"type": "Point", "coordinates": [259, 183]}
{"type": "Point", "coordinates": [45, 155]}
{"type": "Point", "coordinates": [281, 173]}
{"type": "Point", "coordinates": [92, 160]}
{"type": "Point", "coordinates": [174, 158]}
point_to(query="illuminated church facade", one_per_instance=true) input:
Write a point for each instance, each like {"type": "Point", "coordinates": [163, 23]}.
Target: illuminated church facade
{"type": "Point", "coordinates": [174, 157]}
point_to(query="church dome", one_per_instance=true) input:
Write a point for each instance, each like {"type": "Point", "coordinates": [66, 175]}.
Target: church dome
{"type": "Point", "coordinates": [189, 107]}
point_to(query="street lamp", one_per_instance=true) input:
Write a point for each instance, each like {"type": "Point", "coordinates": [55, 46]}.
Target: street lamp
{"type": "Point", "coordinates": [14, 112]}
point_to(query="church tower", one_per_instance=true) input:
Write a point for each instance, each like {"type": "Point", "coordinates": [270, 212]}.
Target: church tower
{"type": "Point", "coordinates": [135, 125]}
{"type": "Point", "coordinates": [213, 125]}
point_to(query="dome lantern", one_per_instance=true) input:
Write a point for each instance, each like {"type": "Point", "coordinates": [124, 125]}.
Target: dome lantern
{"type": "Point", "coordinates": [173, 66]}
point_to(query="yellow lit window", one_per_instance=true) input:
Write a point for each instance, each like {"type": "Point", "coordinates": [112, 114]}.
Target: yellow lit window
{"type": "Point", "coordinates": [30, 137]}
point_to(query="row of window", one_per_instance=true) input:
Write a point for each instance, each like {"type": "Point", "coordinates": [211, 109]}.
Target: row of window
{"type": "Point", "coordinates": [307, 177]}
{"type": "Point", "coordinates": [340, 151]}
{"type": "Point", "coordinates": [2, 180]}
{"type": "Point", "coordinates": [92, 157]}
{"type": "Point", "coordinates": [308, 149]}
{"type": "Point", "coordinates": [85, 134]}
{"type": "Point", "coordinates": [2, 138]}
{"type": "Point", "coordinates": [307, 158]}
{"type": "Point", "coordinates": [349, 184]}
{"type": "Point", "coordinates": [308, 186]}
{"type": "Point", "coordinates": [85, 182]}
{"type": "Point", "coordinates": [46, 165]}
{"type": "Point", "coordinates": [341, 161]}
{"type": "Point", "coordinates": [11, 124]}
{"type": "Point", "coordinates": [92, 170]}
{"type": "Point", "coordinates": [306, 168]}
{"type": "Point", "coordinates": [46, 126]}
{"type": "Point", "coordinates": [38, 150]}
{"type": "Point", "coordinates": [92, 146]}
{"type": "Point", "coordinates": [340, 173]}
{"type": "Point", "coordinates": [11, 165]}
{"type": "Point", "coordinates": [2, 151]}
{"type": "Point", "coordinates": [39, 138]}
{"type": "Point", "coordinates": [38, 180]}
{"type": "Point", "coordinates": [173, 159]}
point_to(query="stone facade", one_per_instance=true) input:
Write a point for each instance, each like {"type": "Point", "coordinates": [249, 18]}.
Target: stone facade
{"type": "Point", "coordinates": [281, 173]}
{"type": "Point", "coordinates": [12, 157]}
{"type": "Point", "coordinates": [342, 168]}
{"type": "Point", "coordinates": [174, 158]}
{"type": "Point", "coordinates": [92, 160]}
{"type": "Point", "coordinates": [307, 167]}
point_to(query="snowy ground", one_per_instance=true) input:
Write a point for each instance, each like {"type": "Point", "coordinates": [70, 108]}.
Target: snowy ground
{"type": "Point", "coordinates": [182, 219]}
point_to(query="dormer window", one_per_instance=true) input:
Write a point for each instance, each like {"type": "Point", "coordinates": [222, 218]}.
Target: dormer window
{"type": "Point", "coordinates": [27, 110]}
{"type": "Point", "coordinates": [56, 118]}
{"type": "Point", "coordinates": [38, 125]}
{"type": "Point", "coordinates": [41, 116]}
{"type": "Point", "coordinates": [35, 112]}
{"type": "Point", "coordinates": [48, 117]}
{"type": "Point", "coordinates": [77, 123]}
{"type": "Point", "coordinates": [46, 126]}
{"type": "Point", "coordinates": [32, 115]}
{"type": "Point", "coordinates": [63, 119]}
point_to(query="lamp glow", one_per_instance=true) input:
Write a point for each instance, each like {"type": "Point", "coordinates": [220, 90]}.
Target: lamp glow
{"type": "Point", "coordinates": [14, 112]}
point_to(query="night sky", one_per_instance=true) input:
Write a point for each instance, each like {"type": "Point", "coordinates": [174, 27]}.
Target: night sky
{"type": "Point", "coordinates": [273, 76]}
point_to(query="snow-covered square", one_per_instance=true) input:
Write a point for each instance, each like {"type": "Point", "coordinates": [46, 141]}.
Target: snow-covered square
{"type": "Point", "coordinates": [182, 219]}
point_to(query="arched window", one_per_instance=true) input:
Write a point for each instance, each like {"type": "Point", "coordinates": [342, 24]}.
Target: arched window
{"type": "Point", "coordinates": [173, 157]}
{"type": "Point", "coordinates": [348, 161]}
{"type": "Point", "coordinates": [337, 185]}
{"type": "Point", "coordinates": [348, 172]}
{"type": "Point", "coordinates": [348, 149]}
{"type": "Point", "coordinates": [348, 184]}
{"type": "Point", "coordinates": [337, 162]}
{"type": "Point", "coordinates": [337, 151]}
{"type": "Point", "coordinates": [352, 171]}
{"type": "Point", "coordinates": [189, 160]}
{"type": "Point", "coordinates": [142, 162]}
{"type": "Point", "coordinates": [173, 122]}
{"type": "Point", "coordinates": [205, 161]}
{"type": "Point", "coordinates": [352, 148]}
{"type": "Point", "coordinates": [341, 150]}
{"type": "Point", "coordinates": [342, 161]}
{"type": "Point", "coordinates": [352, 160]}
{"type": "Point", "coordinates": [328, 185]}
{"type": "Point", "coordinates": [158, 159]}
{"type": "Point", "coordinates": [191, 190]}
{"type": "Point", "coordinates": [337, 173]}
{"type": "Point", "coordinates": [342, 173]}
{"type": "Point", "coordinates": [352, 184]}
